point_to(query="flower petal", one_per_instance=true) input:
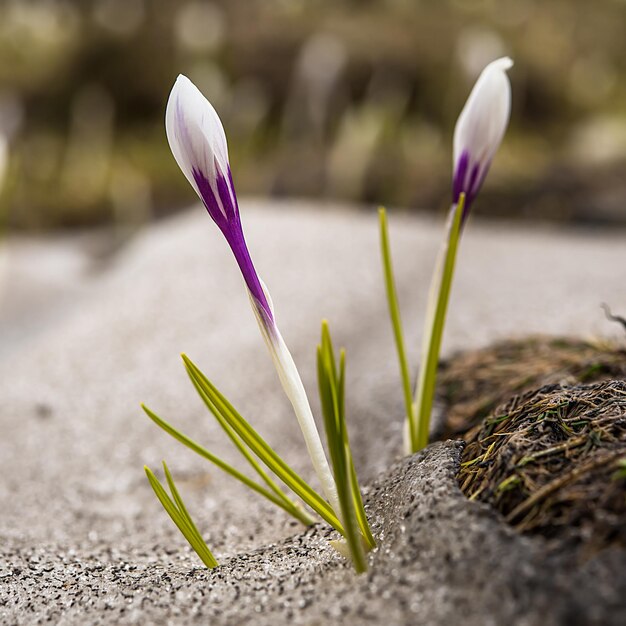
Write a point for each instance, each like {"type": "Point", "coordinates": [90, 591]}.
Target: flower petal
{"type": "Point", "coordinates": [198, 143]}
{"type": "Point", "coordinates": [480, 128]}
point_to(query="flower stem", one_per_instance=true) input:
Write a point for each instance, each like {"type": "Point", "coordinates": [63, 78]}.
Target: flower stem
{"type": "Point", "coordinates": [437, 306]}
{"type": "Point", "coordinates": [292, 384]}
{"type": "Point", "coordinates": [294, 389]}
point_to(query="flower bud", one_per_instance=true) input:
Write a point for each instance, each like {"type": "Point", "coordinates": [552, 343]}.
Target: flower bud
{"type": "Point", "coordinates": [480, 128]}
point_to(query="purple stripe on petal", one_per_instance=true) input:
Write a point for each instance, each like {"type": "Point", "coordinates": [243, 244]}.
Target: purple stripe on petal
{"type": "Point", "coordinates": [208, 198]}
{"type": "Point", "coordinates": [472, 187]}
{"type": "Point", "coordinates": [230, 225]}
{"type": "Point", "coordinates": [468, 179]}
{"type": "Point", "coordinates": [238, 245]}
{"type": "Point", "coordinates": [225, 190]}
{"type": "Point", "coordinates": [232, 186]}
{"type": "Point", "coordinates": [458, 184]}
{"type": "Point", "coordinates": [471, 190]}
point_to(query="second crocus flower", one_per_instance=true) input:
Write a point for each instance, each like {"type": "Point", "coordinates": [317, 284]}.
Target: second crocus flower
{"type": "Point", "coordinates": [477, 136]}
{"type": "Point", "coordinates": [479, 130]}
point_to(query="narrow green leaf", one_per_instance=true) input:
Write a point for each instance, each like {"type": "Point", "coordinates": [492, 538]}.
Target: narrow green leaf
{"type": "Point", "coordinates": [185, 513]}
{"type": "Point", "coordinates": [354, 481]}
{"type": "Point", "coordinates": [246, 453]}
{"type": "Point", "coordinates": [216, 402]}
{"type": "Point", "coordinates": [204, 453]}
{"type": "Point", "coordinates": [182, 519]}
{"type": "Point", "coordinates": [328, 351]}
{"type": "Point", "coordinates": [396, 321]}
{"type": "Point", "coordinates": [180, 505]}
{"type": "Point", "coordinates": [289, 505]}
{"type": "Point", "coordinates": [331, 391]}
{"type": "Point", "coordinates": [438, 298]}
{"type": "Point", "coordinates": [341, 384]}
{"type": "Point", "coordinates": [359, 507]}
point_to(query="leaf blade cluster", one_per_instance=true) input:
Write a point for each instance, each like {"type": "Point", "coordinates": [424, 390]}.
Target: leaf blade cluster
{"type": "Point", "coordinates": [178, 513]}
{"type": "Point", "coordinates": [331, 383]}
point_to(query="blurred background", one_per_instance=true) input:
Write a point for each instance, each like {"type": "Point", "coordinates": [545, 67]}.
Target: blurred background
{"type": "Point", "coordinates": [334, 99]}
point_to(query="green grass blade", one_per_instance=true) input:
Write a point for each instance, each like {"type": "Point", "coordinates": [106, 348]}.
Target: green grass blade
{"type": "Point", "coordinates": [182, 519]}
{"type": "Point", "coordinates": [204, 453]}
{"type": "Point", "coordinates": [185, 513]}
{"type": "Point", "coordinates": [396, 321]}
{"type": "Point", "coordinates": [354, 481]}
{"type": "Point", "coordinates": [328, 405]}
{"type": "Point", "coordinates": [337, 456]}
{"type": "Point", "coordinates": [433, 329]}
{"type": "Point", "coordinates": [331, 397]}
{"type": "Point", "coordinates": [341, 383]}
{"type": "Point", "coordinates": [359, 508]}
{"type": "Point", "coordinates": [290, 505]}
{"type": "Point", "coordinates": [329, 353]}
{"type": "Point", "coordinates": [216, 402]}
{"type": "Point", "coordinates": [180, 505]}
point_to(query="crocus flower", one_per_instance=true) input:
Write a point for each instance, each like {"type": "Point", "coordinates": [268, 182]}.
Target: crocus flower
{"type": "Point", "coordinates": [477, 136]}
{"type": "Point", "coordinates": [198, 143]}
{"type": "Point", "coordinates": [479, 130]}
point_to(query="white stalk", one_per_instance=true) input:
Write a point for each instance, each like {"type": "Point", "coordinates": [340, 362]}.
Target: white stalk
{"type": "Point", "coordinates": [295, 391]}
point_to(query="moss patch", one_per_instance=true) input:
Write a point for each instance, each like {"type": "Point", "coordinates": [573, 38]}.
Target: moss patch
{"type": "Point", "coordinates": [545, 424]}
{"type": "Point", "coordinates": [472, 384]}
{"type": "Point", "coordinates": [553, 462]}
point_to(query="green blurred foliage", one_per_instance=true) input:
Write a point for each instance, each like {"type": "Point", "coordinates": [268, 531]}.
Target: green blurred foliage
{"type": "Point", "coordinates": [353, 100]}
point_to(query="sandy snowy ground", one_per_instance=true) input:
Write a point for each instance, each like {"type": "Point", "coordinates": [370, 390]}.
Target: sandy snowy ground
{"type": "Point", "coordinates": [85, 337]}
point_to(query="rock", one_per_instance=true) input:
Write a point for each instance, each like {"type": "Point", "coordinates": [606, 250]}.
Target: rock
{"type": "Point", "coordinates": [441, 559]}
{"type": "Point", "coordinates": [82, 538]}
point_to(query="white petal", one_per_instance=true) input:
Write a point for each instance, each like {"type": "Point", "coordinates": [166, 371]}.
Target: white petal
{"type": "Point", "coordinates": [485, 116]}
{"type": "Point", "coordinates": [195, 132]}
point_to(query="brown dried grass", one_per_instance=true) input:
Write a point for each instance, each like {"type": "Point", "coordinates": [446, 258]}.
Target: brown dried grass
{"type": "Point", "coordinates": [553, 462]}
{"type": "Point", "coordinates": [472, 384]}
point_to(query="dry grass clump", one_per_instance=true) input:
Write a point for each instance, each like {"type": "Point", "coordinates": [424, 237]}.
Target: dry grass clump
{"type": "Point", "coordinates": [473, 384]}
{"type": "Point", "coordinates": [553, 462]}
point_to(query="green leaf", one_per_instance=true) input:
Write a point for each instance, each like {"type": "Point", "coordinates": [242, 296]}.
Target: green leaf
{"type": "Point", "coordinates": [437, 306]}
{"type": "Point", "coordinates": [359, 508]}
{"type": "Point", "coordinates": [354, 481]}
{"type": "Point", "coordinates": [218, 404]}
{"type": "Point", "coordinates": [332, 398]}
{"type": "Point", "coordinates": [290, 506]}
{"type": "Point", "coordinates": [396, 321]}
{"type": "Point", "coordinates": [284, 503]}
{"type": "Point", "coordinates": [180, 504]}
{"type": "Point", "coordinates": [180, 516]}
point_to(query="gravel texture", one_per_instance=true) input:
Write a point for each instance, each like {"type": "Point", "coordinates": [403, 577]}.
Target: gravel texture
{"type": "Point", "coordinates": [85, 336]}
{"type": "Point", "coordinates": [442, 559]}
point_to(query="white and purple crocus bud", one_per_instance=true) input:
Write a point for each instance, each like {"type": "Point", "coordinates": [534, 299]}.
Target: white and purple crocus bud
{"type": "Point", "coordinates": [479, 130]}
{"type": "Point", "coordinates": [198, 143]}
